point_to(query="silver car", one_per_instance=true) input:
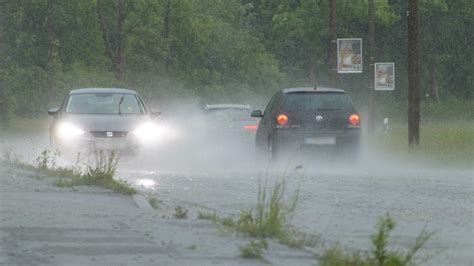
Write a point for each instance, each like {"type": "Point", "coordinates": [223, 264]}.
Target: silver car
{"type": "Point", "coordinates": [102, 119]}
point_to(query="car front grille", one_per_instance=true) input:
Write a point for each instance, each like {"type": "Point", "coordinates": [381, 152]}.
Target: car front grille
{"type": "Point", "coordinates": [109, 134]}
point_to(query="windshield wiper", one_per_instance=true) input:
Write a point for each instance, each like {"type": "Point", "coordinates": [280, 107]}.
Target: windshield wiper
{"type": "Point", "coordinates": [120, 103]}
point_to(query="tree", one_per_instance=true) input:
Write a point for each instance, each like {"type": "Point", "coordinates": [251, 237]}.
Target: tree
{"type": "Point", "coordinates": [113, 32]}
{"type": "Point", "coordinates": [413, 75]}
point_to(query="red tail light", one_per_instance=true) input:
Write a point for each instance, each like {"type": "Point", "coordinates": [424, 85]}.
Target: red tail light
{"type": "Point", "coordinates": [282, 119]}
{"type": "Point", "coordinates": [354, 119]}
{"type": "Point", "coordinates": [251, 127]}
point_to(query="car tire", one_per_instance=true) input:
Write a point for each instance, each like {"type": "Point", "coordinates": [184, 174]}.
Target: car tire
{"type": "Point", "coordinates": [273, 150]}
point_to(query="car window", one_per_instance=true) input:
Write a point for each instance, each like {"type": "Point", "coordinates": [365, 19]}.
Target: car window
{"type": "Point", "coordinates": [229, 114]}
{"type": "Point", "coordinates": [304, 102]}
{"type": "Point", "coordinates": [271, 104]}
{"type": "Point", "coordinates": [103, 103]}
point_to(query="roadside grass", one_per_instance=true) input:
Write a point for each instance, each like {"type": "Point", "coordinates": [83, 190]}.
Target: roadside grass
{"type": "Point", "coordinates": [270, 218]}
{"type": "Point", "coordinates": [98, 171]}
{"type": "Point", "coordinates": [446, 144]}
{"type": "Point", "coordinates": [180, 212]}
{"type": "Point", "coordinates": [254, 249]}
{"type": "Point", "coordinates": [272, 213]}
{"type": "Point", "coordinates": [154, 203]}
{"type": "Point", "coordinates": [380, 255]}
{"type": "Point", "coordinates": [24, 125]}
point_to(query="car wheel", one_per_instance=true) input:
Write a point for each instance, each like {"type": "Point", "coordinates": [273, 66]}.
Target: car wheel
{"type": "Point", "coordinates": [273, 149]}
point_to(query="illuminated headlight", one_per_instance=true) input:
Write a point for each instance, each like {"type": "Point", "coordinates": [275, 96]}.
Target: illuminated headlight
{"type": "Point", "coordinates": [68, 131]}
{"type": "Point", "coordinates": [148, 132]}
{"type": "Point", "coordinates": [151, 133]}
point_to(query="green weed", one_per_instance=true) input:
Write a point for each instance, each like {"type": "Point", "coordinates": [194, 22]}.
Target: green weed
{"type": "Point", "coordinates": [254, 249]}
{"type": "Point", "coordinates": [180, 212]}
{"type": "Point", "coordinates": [208, 216]}
{"type": "Point", "coordinates": [155, 203]}
{"type": "Point", "coordinates": [272, 213]}
{"type": "Point", "coordinates": [379, 255]}
{"type": "Point", "coordinates": [100, 172]}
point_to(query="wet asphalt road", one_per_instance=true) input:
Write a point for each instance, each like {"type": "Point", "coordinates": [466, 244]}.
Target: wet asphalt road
{"type": "Point", "coordinates": [341, 202]}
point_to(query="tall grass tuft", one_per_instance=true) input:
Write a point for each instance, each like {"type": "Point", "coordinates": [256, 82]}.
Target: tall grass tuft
{"type": "Point", "coordinates": [272, 213]}
{"type": "Point", "coordinates": [100, 171]}
{"type": "Point", "coordinates": [380, 254]}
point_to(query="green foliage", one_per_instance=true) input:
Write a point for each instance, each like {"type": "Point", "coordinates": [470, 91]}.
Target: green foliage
{"type": "Point", "coordinates": [216, 50]}
{"type": "Point", "coordinates": [208, 216]}
{"type": "Point", "coordinates": [380, 254]}
{"type": "Point", "coordinates": [180, 212]}
{"type": "Point", "coordinates": [254, 249]}
{"type": "Point", "coordinates": [449, 145]}
{"type": "Point", "coordinates": [272, 213]}
{"type": "Point", "coordinates": [154, 203]}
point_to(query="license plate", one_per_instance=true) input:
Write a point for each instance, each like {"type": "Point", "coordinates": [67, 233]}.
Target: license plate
{"type": "Point", "coordinates": [320, 141]}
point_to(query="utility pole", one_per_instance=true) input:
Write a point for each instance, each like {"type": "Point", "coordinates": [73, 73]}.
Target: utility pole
{"type": "Point", "coordinates": [3, 109]}
{"type": "Point", "coordinates": [332, 44]}
{"type": "Point", "coordinates": [413, 75]}
{"type": "Point", "coordinates": [370, 70]}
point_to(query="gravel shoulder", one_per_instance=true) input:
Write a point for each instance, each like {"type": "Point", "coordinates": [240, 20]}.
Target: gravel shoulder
{"type": "Point", "coordinates": [41, 224]}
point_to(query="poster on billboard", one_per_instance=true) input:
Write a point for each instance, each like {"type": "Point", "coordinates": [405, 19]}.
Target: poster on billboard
{"type": "Point", "coordinates": [384, 76]}
{"type": "Point", "coordinates": [349, 55]}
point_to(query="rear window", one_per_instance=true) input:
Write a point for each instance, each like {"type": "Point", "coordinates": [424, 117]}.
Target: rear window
{"type": "Point", "coordinates": [317, 101]}
{"type": "Point", "coordinates": [229, 114]}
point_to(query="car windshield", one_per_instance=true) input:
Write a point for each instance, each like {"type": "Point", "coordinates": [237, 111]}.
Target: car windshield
{"type": "Point", "coordinates": [308, 102]}
{"type": "Point", "coordinates": [103, 103]}
{"type": "Point", "coordinates": [229, 114]}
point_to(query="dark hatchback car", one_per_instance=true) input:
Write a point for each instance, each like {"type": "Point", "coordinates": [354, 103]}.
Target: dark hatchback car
{"type": "Point", "coordinates": [102, 119]}
{"type": "Point", "coordinates": [315, 118]}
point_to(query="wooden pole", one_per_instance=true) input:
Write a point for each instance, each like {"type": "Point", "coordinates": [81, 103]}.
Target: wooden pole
{"type": "Point", "coordinates": [413, 75]}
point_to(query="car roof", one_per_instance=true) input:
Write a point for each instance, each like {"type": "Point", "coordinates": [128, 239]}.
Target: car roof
{"type": "Point", "coordinates": [102, 90]}
{"type": "Point", "coordinates": [227, 106]}
{"type": "Point", "coordinates": [311, 89]}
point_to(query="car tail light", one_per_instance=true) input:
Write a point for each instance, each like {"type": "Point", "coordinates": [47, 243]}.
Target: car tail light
{"type": "Point", "coordinates": [251, 127]}
{"type": "Point", "coordinates": [354, 119]}
{"type": "Point", "coordinates": [282, 119]}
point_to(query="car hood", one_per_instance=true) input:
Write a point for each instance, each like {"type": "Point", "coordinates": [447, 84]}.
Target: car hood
{"type": "Point", "coordinates": [106, 122]}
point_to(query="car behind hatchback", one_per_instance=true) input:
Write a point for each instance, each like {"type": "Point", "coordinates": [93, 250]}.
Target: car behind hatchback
{"type": "Point", "coordinates": [102, 119]}
{"type": "Point", "coordinates": [308, 118]}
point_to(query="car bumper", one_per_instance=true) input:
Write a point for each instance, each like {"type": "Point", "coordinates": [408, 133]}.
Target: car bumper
{"type": "Point", "coordinates": [93, 143]}
{"type": "Point", "coordinates": [306, 139]}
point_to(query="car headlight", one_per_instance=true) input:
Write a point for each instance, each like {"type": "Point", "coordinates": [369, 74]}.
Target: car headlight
{"type": "Point", "coordinates": [152, 133]}
{"type": "Point", "coordinates": [68, 131]}
{"type": "Point", "coordinates": [147, 132]}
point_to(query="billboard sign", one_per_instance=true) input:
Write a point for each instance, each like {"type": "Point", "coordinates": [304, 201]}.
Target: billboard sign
{"type": "Point", "coordinates": [384, 76]}
{"type": "Point", "coordinates": [349, 55]}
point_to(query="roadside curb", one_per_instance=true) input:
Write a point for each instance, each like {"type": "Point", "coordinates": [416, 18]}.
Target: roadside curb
{"type": "Point", "coordinates": [141, 202]}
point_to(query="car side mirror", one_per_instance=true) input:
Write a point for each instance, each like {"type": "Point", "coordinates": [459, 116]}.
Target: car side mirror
{"type": "Point", "coordinates": [155, 113]}
{"type": "Point", "coordinates": [256, 113]}
{"type": "Point", "coordinates": [53, 111]}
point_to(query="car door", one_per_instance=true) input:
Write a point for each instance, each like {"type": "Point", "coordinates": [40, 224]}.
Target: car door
{"type": "Point", "coordinates": [265, 127]}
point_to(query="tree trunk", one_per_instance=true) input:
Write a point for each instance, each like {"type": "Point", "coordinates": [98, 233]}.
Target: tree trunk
{"type": "Point", "coordinates": [3, 101]}
{"type": "Point", "coordinates": [166, 32]}
{"type": "Point", "coordinates": [434, 95]}
{"type": "Point", "coordinates": [116, 56]}
{"type": "Point", "coordinates": [51, 48]}
{"type": "Point", "coordinates": [332, 71]}
{"type": "Point", "coordinates": [370, 70]}
{"type": "Point", "coordinates": [413, 75]}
